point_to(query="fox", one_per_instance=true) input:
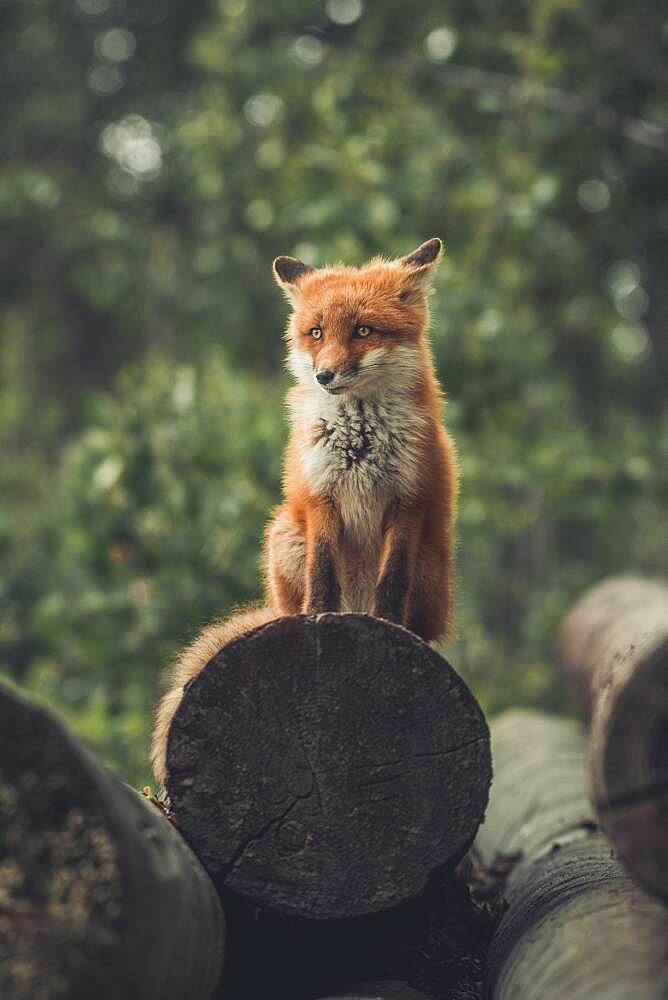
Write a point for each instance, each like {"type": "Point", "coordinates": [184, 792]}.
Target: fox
{"type": "Point", "coordinates": [370, 476]}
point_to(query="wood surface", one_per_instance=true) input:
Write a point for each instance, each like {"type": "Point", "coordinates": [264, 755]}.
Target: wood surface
{"type": "Point", "coordinates": [614, 653]}
{"type": "Point", "coordinates": [328, 767]}
{"type": "Point", "coordinates": [100, 898]}
{"type": "Point", "coordinates": [577, 927]}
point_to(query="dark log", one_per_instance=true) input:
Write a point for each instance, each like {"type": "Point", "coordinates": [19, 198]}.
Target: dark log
{"type": "Point", "coordinates": [379, 991]}
{"type": "Point", "coordinates": [577, 927]}
{"type": "Point", "coordinates": [328, 767]}
{"type": "Point", "coordinates": [435, 944]}
{"type": "Point", "coordinates": [614, 652]}
{"type": "Point", "coordinates": [100, 897]}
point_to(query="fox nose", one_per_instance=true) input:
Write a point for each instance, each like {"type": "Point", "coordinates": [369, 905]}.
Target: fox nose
{"type": "Point", "coordinates": [324, 378]}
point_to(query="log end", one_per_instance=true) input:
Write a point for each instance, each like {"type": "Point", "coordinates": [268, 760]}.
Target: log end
{"type": "Point", "coordinates": [328, 767]}
{"type": "Point", "coordinates": [594, 632]}
{"type": "Point", "coordinates": [629, 771]}
{"type": "Point", "coordinates": [614, 652]}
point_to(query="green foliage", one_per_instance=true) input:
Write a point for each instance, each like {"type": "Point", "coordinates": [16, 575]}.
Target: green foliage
{"type": "Point", "coordinates": [151, 170]}
{"type": "Point", "coordinates": [152, 529]}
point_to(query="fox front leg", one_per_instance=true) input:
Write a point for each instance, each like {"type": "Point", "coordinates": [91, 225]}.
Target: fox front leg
{"type": "Point", "coordinates": [323, 591]}
{"type": "Point", "coordinates": [397, 569]}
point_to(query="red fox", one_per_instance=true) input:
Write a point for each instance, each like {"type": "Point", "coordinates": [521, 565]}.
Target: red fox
{"type": "Point", "coordinates": [370, 476]}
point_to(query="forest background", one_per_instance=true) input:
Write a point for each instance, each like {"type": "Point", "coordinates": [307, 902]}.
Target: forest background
{"type": "Point", "coordinates": [157, 155]}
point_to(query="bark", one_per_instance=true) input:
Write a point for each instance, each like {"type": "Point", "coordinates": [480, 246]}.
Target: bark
{"type": "Point", "coordinates": [99, 895]}
{"type": "Point", "coordinates": [577, 926]}
{"type": "Point", "coordinates": [328, 767]}
{"type": "Point", "coordinates": [614, 653]}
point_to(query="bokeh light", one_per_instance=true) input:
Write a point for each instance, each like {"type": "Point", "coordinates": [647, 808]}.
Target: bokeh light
{"type": "Point", "coordinates": [440, 44]}
{"type": "Point", "coordinates": [133, 144]}
{"type": "Point", "coordinates": [308, 50]}
{"type": "Point", "coordinates": [263, 109]}
{"type": "Point", "coordinates": [115, 45]}
{"type": "Point", "coordinates": [93, 8]}
{"type": "Point", "coordinates": [344, 11]}
{"type": "Point", "coordinates": [594, 195]}
{"type": "Point", "coordinates": [631, 342]}
{"type": "Point", "coordinates": [105, 80]}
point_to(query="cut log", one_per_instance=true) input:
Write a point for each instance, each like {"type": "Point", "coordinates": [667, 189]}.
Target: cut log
{"type": "Point", "coordinates": [99, 895]}
{"type": "Point", "coordinates": [614, 653]}
{"type": "Point", "coordinates": [577, 926]}
{"type": "Point", "coordinates": [328, 767]}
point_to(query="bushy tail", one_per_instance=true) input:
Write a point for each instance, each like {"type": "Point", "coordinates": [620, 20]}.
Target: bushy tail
{"type": "Point", "coordinates": [189, 663]}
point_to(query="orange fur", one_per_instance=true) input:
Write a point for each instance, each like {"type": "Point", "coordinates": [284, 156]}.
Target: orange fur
{"type": "Point", "coordinates": [390, 297]}
{"type": "Point", "coordinates": [370, 477]}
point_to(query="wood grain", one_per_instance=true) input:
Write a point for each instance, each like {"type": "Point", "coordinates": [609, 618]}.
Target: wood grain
{"type": "Point", "coordinates": [577, 927]}
{"type": "Point", "coordinates": [328, 767]}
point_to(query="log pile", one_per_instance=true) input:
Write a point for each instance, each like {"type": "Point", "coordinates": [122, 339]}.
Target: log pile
{"type": "Point", "coordinates": [329, 774]}
{"type": "Point", "coordinates": [326, 778]}
{"type": "Point", "coordinates": [577, 926]}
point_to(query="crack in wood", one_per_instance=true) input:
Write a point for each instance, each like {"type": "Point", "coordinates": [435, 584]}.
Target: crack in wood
{"type": "Point", "coordinates": [263, 831]}
{"type": "Point", "coordinates": [380, 779]}
{"type": "Point", "coordinates": [452, 750]}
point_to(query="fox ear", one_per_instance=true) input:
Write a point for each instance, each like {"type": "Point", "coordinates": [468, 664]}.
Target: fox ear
{"type": "Point", "coordinates": [288, 271]}
{"type": "Point", "coordinates": [419, 266]}
{"type": "Point", "coordinates": [426, 255]}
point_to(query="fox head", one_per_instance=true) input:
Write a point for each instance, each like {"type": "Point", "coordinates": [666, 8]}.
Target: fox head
{"type": "Point", "coordinates": [357, 331]}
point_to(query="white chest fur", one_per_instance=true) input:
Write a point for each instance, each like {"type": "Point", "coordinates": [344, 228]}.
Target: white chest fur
{"type": "Point", "coordinates": [363, 452]}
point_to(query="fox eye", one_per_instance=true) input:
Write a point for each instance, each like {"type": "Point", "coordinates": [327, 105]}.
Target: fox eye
{"type": "Point", "coordinates": [362, 331]}
{"type": "Point", "coordinates": [316, 332]}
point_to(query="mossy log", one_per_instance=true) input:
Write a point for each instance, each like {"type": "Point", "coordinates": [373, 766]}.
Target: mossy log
{"type": "Point", "coordinates": [328, 767]}
{"type": "Point", "coordinates": [577, 926]}
{"type": "Point", "coordinates": [99, 895]}
{"type": "Point", "coordinates": [614, 653]}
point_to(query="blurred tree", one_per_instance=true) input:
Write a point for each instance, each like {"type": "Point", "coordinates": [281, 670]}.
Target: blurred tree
{"type": "Point", "coordinates": [162, 156]}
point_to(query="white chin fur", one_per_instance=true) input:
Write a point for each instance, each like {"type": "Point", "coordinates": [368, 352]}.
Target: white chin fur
{"type": "Point", "coordinates": [381, 371]}
{"type": "Point", "coordinates": [389, 370]}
